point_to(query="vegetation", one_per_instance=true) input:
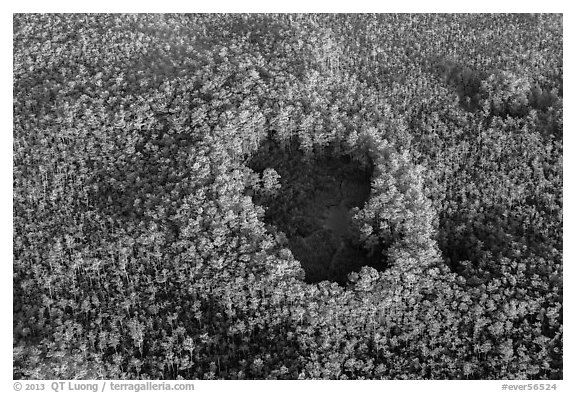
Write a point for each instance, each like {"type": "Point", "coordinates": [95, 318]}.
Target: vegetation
{"type": "Point", "coordinates": [287, 196]}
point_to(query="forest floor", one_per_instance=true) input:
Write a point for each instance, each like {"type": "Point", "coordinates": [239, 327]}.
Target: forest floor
{"type": "Point", "coordinates": [314, 208]}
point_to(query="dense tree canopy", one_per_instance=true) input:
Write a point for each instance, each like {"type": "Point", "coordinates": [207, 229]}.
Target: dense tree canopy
{"type": "Point", "coordinates": [155, 234]}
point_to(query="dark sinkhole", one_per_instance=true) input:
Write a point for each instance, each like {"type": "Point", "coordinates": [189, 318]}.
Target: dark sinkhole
{"type": "Point", "coordinates": [314, 207]}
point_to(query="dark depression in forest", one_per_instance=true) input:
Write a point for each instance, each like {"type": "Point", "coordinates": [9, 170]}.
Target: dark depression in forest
{"type": "Point", "coordinates": [287, 196]}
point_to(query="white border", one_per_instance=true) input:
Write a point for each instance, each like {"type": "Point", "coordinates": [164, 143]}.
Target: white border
{"type": "Point", "coordinates": [415, 6]}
